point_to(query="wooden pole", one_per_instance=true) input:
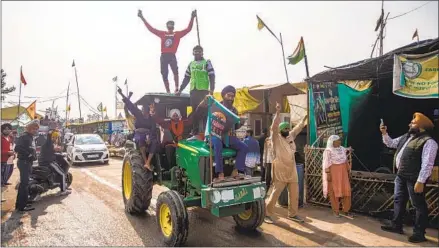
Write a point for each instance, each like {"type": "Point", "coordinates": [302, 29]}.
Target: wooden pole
{"type": "Point", "coordinates": [382, 29]}
{"type": "Point", "coordinates": [283, 58]}
{"type": "Point", "coordinates": [79, 100]}
{"type": "Point", "coordinates": [306, 59]}
{"type": "Point", "coordinates": [198, 30]}
{"type": "Point", "coordinates": [67, 103]}
{"type": "Point", "coordinates": [19, 94]}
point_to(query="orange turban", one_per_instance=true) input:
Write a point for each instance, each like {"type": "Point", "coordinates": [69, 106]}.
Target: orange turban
{"type": "Point", "coordinates": [423, 121]}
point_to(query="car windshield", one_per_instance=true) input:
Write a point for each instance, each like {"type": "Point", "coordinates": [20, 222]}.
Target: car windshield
{"type": "Point", "coordinates": [88, 140]}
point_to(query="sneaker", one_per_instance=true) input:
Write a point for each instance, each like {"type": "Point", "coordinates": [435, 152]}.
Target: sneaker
{"type": "Point", "coordinates": [268, 220]}
{"type": "Point", "coordinates": [416, 238]}
{"type": "Point", "coordinates": [336, 215]}
{"type": "Point", "coordinates": [61, 193]}
{"type": "Point", "coordinates": [392, 229]}
{"type": "Point", "coordinates": [347, 215]}
{"type": "Point", "coordinates": [296, 219]}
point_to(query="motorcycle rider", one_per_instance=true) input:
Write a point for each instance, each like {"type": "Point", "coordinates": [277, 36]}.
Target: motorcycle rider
{"type": "Point", "coordinates": [48, 158]}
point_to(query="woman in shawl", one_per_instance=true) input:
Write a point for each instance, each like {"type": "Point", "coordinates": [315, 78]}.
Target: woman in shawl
{"type": "Point", "coordinates": [336, 170]}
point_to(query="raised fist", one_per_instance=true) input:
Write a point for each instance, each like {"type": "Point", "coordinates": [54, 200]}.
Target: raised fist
{"type": "Point", "coordinates": [194, 13]}
{"type": "Point", "coordinates": [139, 13]}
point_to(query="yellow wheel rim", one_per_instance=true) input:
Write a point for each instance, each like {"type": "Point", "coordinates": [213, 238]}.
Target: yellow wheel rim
{"type": "Point", "coordinates": [127, 180]}
{"type": "Point", "coordinates": [246, 214]}
{"type": "Point", "coordinates": [165, 220]}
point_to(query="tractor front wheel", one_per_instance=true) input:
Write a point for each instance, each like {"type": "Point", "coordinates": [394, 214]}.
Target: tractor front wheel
{"type": "Point", "coordinates": [252, 217]}
{"type": "Point", "coordinates": [172, 218]}
{"type": "Point", "coordinates": [137, 184]}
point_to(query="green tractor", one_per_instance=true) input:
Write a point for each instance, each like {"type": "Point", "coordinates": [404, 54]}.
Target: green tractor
{"type": "Point", "coordinates": [188, 180]}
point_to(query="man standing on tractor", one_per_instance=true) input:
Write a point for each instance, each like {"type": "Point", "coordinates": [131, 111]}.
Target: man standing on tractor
{"type": "Point", "coordinates": [201, 75]}
{"type": "Point", "coordinates": [170, 41]}
{"type": "Point", "coordinates": [284, 166]}
{"type": "Point", "coordinates": [145, 134]}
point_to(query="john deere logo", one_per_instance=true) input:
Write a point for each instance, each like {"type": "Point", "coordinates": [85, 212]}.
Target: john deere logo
{"type": "Point", "coordinates": [411, 70]}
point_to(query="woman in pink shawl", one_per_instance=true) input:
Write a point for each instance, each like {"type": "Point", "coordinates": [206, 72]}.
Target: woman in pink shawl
{"type": "Point", "coordinates": [336, 169]}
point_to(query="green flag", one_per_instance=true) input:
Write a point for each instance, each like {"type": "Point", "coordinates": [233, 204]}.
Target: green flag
{"type": "Point", "coordinates": [298, 54]}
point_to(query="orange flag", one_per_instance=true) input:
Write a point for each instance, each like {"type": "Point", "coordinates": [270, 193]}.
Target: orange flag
{"type": "Point", "coordinates": [32, 109]}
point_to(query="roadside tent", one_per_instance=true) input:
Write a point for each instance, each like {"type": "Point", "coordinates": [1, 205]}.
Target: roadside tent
{"type": "Point", "coordinates": [362, 94]}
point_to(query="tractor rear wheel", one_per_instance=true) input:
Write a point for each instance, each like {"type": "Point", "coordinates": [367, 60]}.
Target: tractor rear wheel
{"type": "Point", "coordinates": [172, 218]}
{"type": "Point", "coordinates": [252, 217]}
{"type": "Point", "coordinates": [137, 184]}
{"type": "Point", "coordinates": [69, 179]}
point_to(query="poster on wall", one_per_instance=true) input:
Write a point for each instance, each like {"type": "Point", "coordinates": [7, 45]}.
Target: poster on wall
{"type": "Point", "coordinates": [326, 111]}
{"type": "Point", "coordinates": [416, 76]}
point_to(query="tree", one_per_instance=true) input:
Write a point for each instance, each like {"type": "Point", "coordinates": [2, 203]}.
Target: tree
{"type": "Point", "coordinates": [5, 90]}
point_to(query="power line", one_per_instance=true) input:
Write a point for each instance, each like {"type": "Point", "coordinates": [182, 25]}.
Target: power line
{"type": "Point", "coordinates": [403, 14]}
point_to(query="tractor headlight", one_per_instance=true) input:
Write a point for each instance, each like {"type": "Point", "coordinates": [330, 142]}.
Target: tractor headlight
{"type": "Point", "coordinates": [215, 197]}
{"type": "Point", "coordinates": [263, 192]}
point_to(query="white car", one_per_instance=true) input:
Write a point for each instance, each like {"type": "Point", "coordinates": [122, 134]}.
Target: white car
{"type": "Point", "coordinates": [87, 148]}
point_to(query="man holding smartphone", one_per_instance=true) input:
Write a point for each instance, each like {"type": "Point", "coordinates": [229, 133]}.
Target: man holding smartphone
{"type": "Point", "coordinates": [414, 158]}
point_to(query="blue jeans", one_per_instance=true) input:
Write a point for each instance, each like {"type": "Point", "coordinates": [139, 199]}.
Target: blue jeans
{"type": "Point", "coordinates": [236, 144]}
{"type": "Point", "coordinates": [404, 189]}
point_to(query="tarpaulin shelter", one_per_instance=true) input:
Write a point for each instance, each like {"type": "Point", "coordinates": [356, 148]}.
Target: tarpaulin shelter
{"type": "Point", "coordinates": [365, 96]}
{"type": "Point", "coordinates": [350, 100]}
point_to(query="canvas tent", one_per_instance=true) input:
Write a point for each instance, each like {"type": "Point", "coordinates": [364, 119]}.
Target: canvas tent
{"type": "Point", "coordinates": [365, 96]}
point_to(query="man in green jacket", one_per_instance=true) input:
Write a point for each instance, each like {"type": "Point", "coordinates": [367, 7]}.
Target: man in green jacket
{"type": "Point", "coordinates": [201, 76]}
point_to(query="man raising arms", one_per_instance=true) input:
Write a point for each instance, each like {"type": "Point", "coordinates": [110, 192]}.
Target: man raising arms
{"type": "Point", "coordinates": [169, 43]}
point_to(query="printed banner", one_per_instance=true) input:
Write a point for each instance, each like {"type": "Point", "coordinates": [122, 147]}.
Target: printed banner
{"type": "Point", "coordinates": [416, 76]}
{"type": "Point", "coordinates": [219, 119]}
{"type": "Point", "coordinates": [327, 111]}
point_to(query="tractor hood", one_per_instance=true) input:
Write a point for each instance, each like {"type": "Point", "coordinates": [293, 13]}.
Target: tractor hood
{"type": "Point", "coordinates": [201, 148]}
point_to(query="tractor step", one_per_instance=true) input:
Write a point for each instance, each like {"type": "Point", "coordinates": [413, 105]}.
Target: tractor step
{"type": "Point", "coordinates": [234, 182]}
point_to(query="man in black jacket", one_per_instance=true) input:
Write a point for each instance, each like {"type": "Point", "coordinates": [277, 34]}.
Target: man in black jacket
{"type": "Point", "coordinates": [26, 154]}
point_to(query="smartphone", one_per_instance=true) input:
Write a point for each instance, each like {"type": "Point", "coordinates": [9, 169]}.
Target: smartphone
{"type": "Point", "coordinates": [382, 122]}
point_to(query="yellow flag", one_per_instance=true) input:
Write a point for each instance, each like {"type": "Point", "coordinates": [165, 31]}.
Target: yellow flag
{"type": "Point", "coordinates": [261, 24]}
{"type": "Point", "coordinates": [68, 108]}
{"type": "Point", "coordinates": [32, 109]}
{"type": "Point", "coordinates": [105, 109]}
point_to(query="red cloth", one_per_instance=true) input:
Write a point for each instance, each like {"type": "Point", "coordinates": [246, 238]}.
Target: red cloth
{"type": "Point", "coordinates": [6, 147]}
{"type": "Point", "coordinates": [170, 41]}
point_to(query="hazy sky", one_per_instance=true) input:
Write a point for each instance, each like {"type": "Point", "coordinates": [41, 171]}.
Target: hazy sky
{"type": "Point", "coordinates": [107, 39]}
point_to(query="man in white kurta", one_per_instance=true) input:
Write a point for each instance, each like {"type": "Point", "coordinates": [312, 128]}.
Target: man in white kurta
{"type": "Point", "coordinates": [284, 172]}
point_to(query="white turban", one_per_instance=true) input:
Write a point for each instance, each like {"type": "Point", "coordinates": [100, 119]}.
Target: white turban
{"type": "Point", "coordinates": [174, 111]}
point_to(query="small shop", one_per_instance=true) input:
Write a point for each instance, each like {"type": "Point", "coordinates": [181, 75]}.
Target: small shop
{"type": "Point", "coordinates": [351, 100]}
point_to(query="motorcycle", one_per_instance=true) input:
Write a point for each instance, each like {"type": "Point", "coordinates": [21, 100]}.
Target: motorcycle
{"type": "Point", "coordinates": [43, 178]}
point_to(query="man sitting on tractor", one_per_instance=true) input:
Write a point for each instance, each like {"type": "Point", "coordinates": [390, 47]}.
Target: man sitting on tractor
{"type": "Point", "coordinates": [228, 95]}
{"type": "Point", "coordinates": [201, 76]}
{"type": "Point", "coordinates": [145, 133]}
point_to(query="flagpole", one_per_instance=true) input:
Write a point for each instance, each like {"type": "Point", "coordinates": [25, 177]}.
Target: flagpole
{"type": "Point", "coordinates": [77, 89]}
{"type": "Point", "coordinates": [306, 58]}
{"type": "Point", "coordinates": [67, 103]}
{"type": "Point", "coordinates": [115, 98]}
{"type": "Point", "coordinates": [198, 29]}
{"type": "Point", "coordinates": [283, 57]}
{"type": "Point", "coordinates": [19, 94]}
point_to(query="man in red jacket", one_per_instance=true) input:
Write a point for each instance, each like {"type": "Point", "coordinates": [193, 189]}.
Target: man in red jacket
{"type": "Point", "coordinates": [6, 152]}
{"type": "Point", "coordinates": [169, 45]}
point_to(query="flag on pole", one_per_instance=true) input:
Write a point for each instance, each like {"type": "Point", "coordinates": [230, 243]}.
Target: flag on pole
{"type": "Point", "coordinates": [22, 79]}
{"type": "Point", "coordinates": [262, 25]}
{"type": "Point", "coordinates": [73, 64]}
{"type": "Point", "coordinates": [298, 54]}
{"type": "Point", "coordinates": [99, 108]}
{"type": "Point", "coordinates": [105, 109]}
{"type": "Point", "coordinates": [68, 108]}
{"type": "Point", "coordinates": [115, 79]}
{"type": "Point", "coordinates": [32, 109]}
{"type": "Point", "coordinates": [415, 34]}
{"type": "Point", "coordinates": [126, 81]}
